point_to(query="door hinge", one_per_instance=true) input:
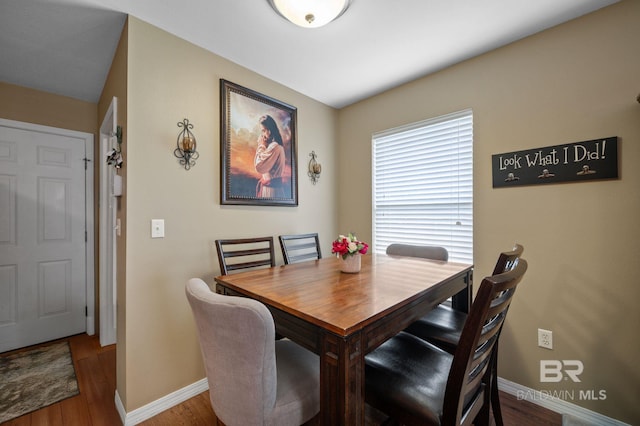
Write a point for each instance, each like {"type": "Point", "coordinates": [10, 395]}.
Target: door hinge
{"type": "Point", "coordinates": [86, 311]}
{"type": "Point", "coordinates": [85, 236]}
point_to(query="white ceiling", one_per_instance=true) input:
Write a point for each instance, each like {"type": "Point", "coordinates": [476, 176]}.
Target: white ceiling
{"type": "Point", "coordinates": [66, 46]}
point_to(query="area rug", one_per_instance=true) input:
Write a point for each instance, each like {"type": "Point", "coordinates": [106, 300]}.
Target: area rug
{"type": "Point", "coordinates": [35, 378]}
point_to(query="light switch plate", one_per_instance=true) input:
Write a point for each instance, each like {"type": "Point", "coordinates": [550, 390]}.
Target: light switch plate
{"type": "Point", "coordinates": [157, 228]}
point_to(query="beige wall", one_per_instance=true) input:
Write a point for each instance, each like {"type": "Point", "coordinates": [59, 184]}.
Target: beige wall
{"type": "Point", "coordinates": [575, 82]}
{"type": "Point", "coordinates": [47, 109]}
{"type": "Point", "coordinates": [170, 79]}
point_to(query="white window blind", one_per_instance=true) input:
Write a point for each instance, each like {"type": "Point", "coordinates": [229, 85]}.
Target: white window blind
{"type": "Point", "coordinates": [423, 185]}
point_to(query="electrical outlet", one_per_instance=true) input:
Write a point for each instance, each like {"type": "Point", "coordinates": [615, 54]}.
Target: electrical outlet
{"type": "Point", "coordinates": [545, 338]}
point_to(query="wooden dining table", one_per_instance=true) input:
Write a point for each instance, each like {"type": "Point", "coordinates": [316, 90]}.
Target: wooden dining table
{"type": "Point", "coordinates": [342, 317]}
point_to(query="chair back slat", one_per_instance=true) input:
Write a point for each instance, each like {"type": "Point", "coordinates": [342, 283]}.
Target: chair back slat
{"type": "Point", "coordinates": [247, 265]}
{"type": "Point", "coordinates": [470, 372]}
{"type": "Point", "coordinates": [245, 253]}
{"type": "Point", "coordinates": [252, 252]}
{"type": "Point", "coordinates": [300, 247]}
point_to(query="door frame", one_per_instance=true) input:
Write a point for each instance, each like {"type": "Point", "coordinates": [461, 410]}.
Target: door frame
{"type": "Point", "coordinates": [108, 229]}
{"type": "Point", "coordinates": [88, 211]}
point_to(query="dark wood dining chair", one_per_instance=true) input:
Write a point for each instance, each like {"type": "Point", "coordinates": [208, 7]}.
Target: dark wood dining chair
{"type": "Point", "coordinates": [300, 247]}
{"type": "Point", "coordinates": [245, 253]}
{"type": "Point", "coordinates": [418, 383]}
{"type": "Point", "coordinates": [443, 327]}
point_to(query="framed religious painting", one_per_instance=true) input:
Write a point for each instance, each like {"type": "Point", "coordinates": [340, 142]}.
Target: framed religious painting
{"type": "Point", "coordinates": [257, 148]}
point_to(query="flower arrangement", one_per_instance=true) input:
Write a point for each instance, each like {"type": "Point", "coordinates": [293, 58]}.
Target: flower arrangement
{"type": "Point", "coordinates": [348, 245]}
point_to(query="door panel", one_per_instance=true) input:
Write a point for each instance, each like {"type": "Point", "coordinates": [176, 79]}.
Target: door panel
{"type": "Point", "coordinates": [7, 209]}
{"type": "Point", "coordinates": [42, 236]}
{"type": "Point", "coordinates": [54, 288]}
{"type": "Point", "coordinates": [8, 293]}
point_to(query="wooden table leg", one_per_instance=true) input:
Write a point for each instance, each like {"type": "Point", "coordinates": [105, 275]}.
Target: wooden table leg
{"type": "Point", "coordinates": [341, 380]}
{"type": "Point", "coordinates": [462, 300]}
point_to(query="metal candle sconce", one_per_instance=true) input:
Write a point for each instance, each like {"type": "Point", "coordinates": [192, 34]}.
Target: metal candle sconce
{"type": "Point", "coordinates": [186, 145]}
{"type": "Point", "coordinates": [314, 168]}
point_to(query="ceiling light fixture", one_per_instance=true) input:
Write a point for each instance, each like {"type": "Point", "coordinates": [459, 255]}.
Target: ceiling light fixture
{"type": "Point", "coordinates": [310, 13]}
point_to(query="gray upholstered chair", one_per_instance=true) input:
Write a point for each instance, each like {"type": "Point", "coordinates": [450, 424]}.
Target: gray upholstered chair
{"type": "Point", "coordinates": [426, 252]}
{"type": "Point", "coordinates": [253, 379]}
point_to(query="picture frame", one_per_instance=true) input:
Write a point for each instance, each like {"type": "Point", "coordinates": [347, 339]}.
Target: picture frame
{"type": "Point", "coordinates": [258, 148]}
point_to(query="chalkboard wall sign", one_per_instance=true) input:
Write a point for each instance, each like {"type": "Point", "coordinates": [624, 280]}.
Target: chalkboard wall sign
{"type": "Point", "coordinates": [572, 162]}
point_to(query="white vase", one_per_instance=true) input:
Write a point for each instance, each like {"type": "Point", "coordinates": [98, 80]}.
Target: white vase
{"type": "Point", "coordinates": [351, 264]}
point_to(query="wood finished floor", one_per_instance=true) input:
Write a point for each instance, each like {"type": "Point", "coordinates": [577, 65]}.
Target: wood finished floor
{"type": "Point", "coordinates": [95, 406]}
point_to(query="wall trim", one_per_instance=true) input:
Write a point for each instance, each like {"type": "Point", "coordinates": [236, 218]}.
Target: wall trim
{"type": "Point", "coordinates": [156, 407]}
{"type": "Point", "coordinates": [585, 416]}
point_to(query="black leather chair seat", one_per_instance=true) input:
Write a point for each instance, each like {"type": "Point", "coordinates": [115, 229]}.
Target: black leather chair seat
{"type": "Point", "coordinates": [407, 377]}
{"type": "Point", "coordinates": [441, 326]}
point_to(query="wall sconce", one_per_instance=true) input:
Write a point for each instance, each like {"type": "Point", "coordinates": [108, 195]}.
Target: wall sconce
{"type": "Point", "coordinates": [314, 168]}
{"type": "Point", "coordinates": [186, 150]}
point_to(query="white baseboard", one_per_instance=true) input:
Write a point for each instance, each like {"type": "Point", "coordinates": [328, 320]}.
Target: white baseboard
{"type": "Point", "coordinates": [576, 414]}
{"type": "Point", "coordinates": [91, 327]}
{"type": "Point", "coordinates": [153, 408]}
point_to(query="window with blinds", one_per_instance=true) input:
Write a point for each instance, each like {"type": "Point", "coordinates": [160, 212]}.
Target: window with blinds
{"type": "Point", "coordinates": [423, 185]}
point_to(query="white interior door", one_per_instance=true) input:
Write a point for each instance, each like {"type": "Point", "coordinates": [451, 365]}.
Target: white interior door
{"type": "Point", "coordinates": [43, 233]}
{"type": "Point", "coordinates": [108, 229]}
